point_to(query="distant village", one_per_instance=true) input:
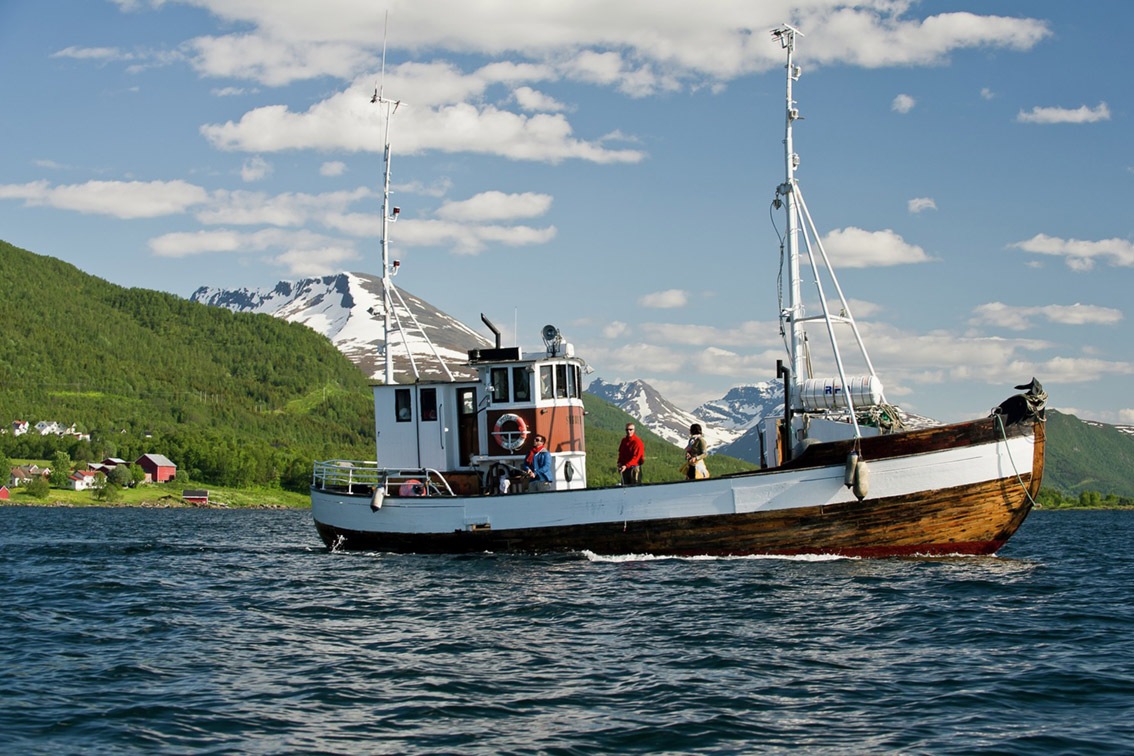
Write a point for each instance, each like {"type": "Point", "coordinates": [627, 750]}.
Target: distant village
{"type": "Point", "coordinates": [155, 468]}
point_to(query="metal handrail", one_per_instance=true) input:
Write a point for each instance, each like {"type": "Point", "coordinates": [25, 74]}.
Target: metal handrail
{"type": "Point", "coordinates": [349, 474]}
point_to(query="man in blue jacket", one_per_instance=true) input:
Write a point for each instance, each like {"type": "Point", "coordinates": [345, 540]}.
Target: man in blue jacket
{"type": "Point", "coordinates": [538, 465]}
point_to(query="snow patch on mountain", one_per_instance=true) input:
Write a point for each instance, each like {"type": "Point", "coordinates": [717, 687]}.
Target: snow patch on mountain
{"type": "Point", "coordinates": [743, 406]}
{"type": "Point", "coordinates": [642, 401]}
{"type": "Point", "coordinates": [348, 309]}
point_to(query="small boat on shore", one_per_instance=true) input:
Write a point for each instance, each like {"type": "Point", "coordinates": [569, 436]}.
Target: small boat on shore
{"type": "Point", "coordinates": [839, 475]}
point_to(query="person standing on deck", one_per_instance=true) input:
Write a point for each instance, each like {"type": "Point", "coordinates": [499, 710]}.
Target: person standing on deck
{"type": "Point", "coordinates": [695, 453]}
{"type": "Point", "coordinates": [538, 466]}
{"type": "Point", "coordinates": [631, 452]}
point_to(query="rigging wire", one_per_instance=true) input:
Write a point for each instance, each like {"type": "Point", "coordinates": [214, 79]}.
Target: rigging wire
{"type": "Point", "coordinates": [780, 275]}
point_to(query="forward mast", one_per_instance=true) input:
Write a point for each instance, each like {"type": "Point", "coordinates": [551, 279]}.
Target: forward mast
{"type": "Point", "coordinates": [804, 392]}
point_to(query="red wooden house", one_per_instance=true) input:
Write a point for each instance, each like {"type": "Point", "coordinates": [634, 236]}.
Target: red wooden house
{"type": "Point", "coordinates": [157, 467]}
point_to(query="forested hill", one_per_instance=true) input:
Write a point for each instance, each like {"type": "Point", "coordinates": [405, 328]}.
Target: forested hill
{"type": "Point", "coordinates": [1084, 456]}
{"type": "Point", "coordinates": [240, 398]}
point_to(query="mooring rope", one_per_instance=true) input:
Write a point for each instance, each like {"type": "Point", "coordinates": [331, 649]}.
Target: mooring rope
{"type": "Point", "coordinates": [1008, 448]}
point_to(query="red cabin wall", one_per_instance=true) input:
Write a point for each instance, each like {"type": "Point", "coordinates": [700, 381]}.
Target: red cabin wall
{"type": "Point", "coordinates": [561, 426]}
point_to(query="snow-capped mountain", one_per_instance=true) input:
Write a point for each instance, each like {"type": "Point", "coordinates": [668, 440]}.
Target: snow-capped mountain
{"type": "Point", "coordinates": [348, 309]}
{"type": "Point", "coordinates": [642, 401]}
{"type": "Point", "coordinates": [743, 406]}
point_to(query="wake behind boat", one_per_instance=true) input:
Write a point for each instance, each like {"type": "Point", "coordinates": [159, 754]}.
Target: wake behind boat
{"type": "Point", "coordinates": [838, 475]}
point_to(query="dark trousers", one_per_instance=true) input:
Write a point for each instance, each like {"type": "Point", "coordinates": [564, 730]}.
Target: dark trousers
{"type": "Point", "coordinates": [632, 476]}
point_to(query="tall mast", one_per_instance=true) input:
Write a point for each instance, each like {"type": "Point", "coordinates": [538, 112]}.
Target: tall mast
{"type": "Point", "coordinates": [793, 314]}
{"type": "Point", "coordinates": [387, 283]}
{"type": "Point", "coordinates": [801, 226]}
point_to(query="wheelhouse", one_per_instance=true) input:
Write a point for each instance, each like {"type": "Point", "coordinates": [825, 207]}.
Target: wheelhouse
{"type": "Point", "coordinates": [477, 432]}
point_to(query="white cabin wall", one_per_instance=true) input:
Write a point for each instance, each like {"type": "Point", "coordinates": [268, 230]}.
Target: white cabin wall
{"type": "Point", "coordinates": [417, 442]}
{"type": "Point", "coordinates": [396, 443]}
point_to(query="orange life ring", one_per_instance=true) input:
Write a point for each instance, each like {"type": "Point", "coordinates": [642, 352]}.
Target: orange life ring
{"type": "Point", "coordinates": [411, 488]}
{"type": "Point", "coordinates": [510, 440]}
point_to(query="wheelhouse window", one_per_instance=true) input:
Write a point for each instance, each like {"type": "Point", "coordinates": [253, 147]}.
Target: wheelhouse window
{"type": "Point", "coordinates": [499, 380]}
{"type": "Point", "coordinates": [403, 403]}
{"type": "Point", "coordinates": [546, 382]}
{"type": "Point", "coordinates": [572, 382]}
{"type": "Point", "coordinates": [561, 381]}
{"type": "Point", "coordinates": [521, 384]}
{"type": "Point", "coordinates": [429, 404]}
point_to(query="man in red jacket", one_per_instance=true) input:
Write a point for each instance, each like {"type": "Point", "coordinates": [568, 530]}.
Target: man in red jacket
{"type": "Point", "coordinates": [631, 452]}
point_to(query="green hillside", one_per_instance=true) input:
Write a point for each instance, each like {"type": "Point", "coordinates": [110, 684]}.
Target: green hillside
{"type": "Point", "coordinates": [234, 399]}
{"type": "Point", "coordinates": [1087, 457]}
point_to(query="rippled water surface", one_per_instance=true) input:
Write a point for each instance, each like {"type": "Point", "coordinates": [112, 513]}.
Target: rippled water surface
{"type": "Point", "coordinates": [204, 631]}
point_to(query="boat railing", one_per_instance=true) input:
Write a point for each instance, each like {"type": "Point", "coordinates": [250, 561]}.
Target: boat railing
{"type": "Point", "coordinates": [358, 477]}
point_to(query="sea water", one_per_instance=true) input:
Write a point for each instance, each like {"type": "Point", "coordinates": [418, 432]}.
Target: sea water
{"type": "Point", "coordinates": [210, 632]}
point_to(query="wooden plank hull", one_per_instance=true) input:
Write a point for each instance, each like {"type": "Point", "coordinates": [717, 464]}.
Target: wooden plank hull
{"type": "Point", "coordinates": [972, 517]}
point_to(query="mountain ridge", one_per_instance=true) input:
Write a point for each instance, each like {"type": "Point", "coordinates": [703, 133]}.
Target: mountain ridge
{"type": "Point", "coordinates": [348, 309]}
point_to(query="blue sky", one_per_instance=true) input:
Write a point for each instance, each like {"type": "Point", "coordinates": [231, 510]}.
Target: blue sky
{"type": "Point", "coordinates": [608, 167]}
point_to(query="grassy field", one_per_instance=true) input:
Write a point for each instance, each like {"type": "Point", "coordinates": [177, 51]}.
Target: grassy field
{"type": "Point", "coordinates": [162, 495]}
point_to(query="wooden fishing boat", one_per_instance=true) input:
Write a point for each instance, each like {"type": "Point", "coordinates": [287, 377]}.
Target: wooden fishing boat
{"type": "Point", "coordinates": [839, 475]}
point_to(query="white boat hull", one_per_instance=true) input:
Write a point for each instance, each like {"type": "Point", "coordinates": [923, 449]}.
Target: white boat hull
{"type": "Point", "coordinates": [957, 489]}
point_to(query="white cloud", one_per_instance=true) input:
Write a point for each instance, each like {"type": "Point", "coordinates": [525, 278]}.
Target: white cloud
{"type": "Point", "coordinates": [751, 333]}
{"type": "Point", "coordinates": [717, 361]}
{"type": "Point", "coordinates": [637, 48]}
{"type": "Point", "coordinates": [467, 239]}
{"type": "Point", "coordinates": [987, 94]}
{"type": "Point", "coordinates": [92, 53]}
{"type": "Point", "coordinates": [1081, 255]}
{"type": "Point", "coordinates": [300, 252]}
{"type": "Point", "coordinates": [120, 199]}
{"type": "Point", "coordinates": [276, 62]}
{"type": "Point", "coordinates": [246, 208]}
{"type": "Point", "coordinates": [855, 248]}
{"type": "Point", "coordinates": [859, 307]}
{"type": "Point", "coordinates": [332, 168]}
{"type": "Point", "coordinates": [495, 206]}
{"type": "Point", "coordinates": [1020, 318]}
{"type": "Point", "coordinates": [664, 299]}
{"type": "Point", "coordinates": [918, 204]}
{"type": "Point", "coordinates": [438, 188]}
{"type": "Point", "coordinates": [615, 329]}
{"type": "Point", "coordinates": [903, 103]}
{"type": "Point", "coordinates": [347, 121]}
{"type": "Point", "coordinates": [529, 99]}
{"type": "Point", "coordinates": [640, 359]}
{"type": "Point", "coordinates": [254, 169]}
{"type": "Point", "coordinates": [314, 262]}
{"type": "Point", "coordinates": [905, 358]}
{"type": "Point", "coordinates": [1082, 114]}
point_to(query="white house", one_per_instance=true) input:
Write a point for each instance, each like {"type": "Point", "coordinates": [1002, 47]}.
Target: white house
{"type": "Point", "coordinates": [83, 480]}
{"type": "Point", "coordinates": [47, 428]}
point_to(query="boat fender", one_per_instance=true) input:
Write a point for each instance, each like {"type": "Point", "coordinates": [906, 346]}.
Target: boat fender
{"type": "Point", "coordinates": [411, 488]}
{"type": "Point", "coordinates": [861, 480]}
{"type": "Point", "coordinates": [377, 499]}
{"type": "Point", "coordinates": [852, 464]}
{"type": "Point", "coordinates": [509, 439]}
{"type": "Point", "coordinates": [568, 471]}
